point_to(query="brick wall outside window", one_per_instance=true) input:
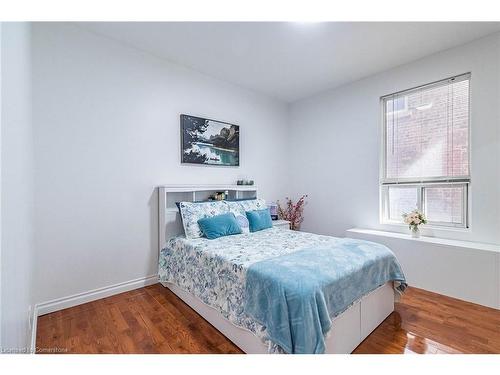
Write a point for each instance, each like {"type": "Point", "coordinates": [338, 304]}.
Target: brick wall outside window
{"type": "Point", "coordinates": [427, 136]}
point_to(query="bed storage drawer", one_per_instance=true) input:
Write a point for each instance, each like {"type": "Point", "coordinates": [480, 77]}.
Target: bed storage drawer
{"type": "Point", "coordinates": [375, 308]}
{"type": "Point", "coordinates": [346, 326]}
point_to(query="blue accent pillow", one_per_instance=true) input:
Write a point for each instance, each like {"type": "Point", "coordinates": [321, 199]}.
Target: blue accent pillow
{"type": "Point", "coordinates": [219, 226]}
{"type": "Point", "coordinates": [259, 219]}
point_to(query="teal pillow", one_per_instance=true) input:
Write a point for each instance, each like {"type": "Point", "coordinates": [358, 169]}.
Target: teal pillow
{"type": "Point", "coordinates": [219, 225]}
{"type": "Point", "coordinates": [259, 219]}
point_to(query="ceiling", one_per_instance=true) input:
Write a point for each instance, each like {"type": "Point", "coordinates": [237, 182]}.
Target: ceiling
{"type": "Point", "coordinates": [292, 60]}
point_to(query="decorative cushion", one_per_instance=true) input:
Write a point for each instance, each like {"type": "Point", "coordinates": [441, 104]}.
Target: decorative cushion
{"type": "Point", "coordinates": [219, 226]}
{"type": "Point", "coordinates": [259, 219]}
{"type": "Point", "coordinates": [240, 206]}
{"type": "Point", "coordinates": [239, 212]}
{"type": "Point", "coordinates": [191, 212]}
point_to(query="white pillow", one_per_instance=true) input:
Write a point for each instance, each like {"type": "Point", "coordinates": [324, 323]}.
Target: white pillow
{"type": "Point", "coordinates": [239, 208]}
{"type": "Point", "coordinates": [191, 212]}
{"type": "Point", "coordinates": [253, 204]}
{"type": "Point", "coordinates": [239, 212]}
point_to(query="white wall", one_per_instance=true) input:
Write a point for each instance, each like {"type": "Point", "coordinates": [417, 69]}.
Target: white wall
{"type": "Point", "coordinates": [1, 321]}
{"type": "Point", "coordinates": [16, 186]}
{"type": "Point", "coordinates": [448, 267]}
{"type": "Point", "coordinates": [106, 133]}
{"type": "Point", "coordinates": [335, 143]}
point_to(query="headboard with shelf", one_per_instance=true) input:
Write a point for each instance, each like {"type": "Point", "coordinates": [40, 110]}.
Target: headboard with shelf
{"type": "Point", "coordinates": [169, 218]}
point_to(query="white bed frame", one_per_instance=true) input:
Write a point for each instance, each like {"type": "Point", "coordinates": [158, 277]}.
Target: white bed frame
{"type": "Point", "coordinates": [349, 329]}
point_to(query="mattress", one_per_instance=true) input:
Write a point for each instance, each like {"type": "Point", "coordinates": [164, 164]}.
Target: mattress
{"type": "Point", "coordinates": [215, 270]}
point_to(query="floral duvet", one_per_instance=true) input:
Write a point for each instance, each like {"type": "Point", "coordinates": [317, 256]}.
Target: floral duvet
{"type": "Point", "coordinates": [215, 270]}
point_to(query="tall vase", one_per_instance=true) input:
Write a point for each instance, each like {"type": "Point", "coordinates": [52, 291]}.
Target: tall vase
{"type": "Point", "coordinates": [415, 232]}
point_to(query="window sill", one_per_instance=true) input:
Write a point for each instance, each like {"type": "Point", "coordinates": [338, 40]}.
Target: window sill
{"type": "Point", "coordinates": [428, 226]}
{"type": "Point", "coordinates": [433, 240]}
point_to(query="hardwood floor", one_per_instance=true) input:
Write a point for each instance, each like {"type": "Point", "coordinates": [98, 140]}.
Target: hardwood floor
{"type": "Point", "coordinates": [426, 322]}
{"type": "Point", "coordinates": [154, 320]}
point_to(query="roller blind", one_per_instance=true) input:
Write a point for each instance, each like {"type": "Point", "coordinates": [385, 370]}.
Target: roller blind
{"type": "Point", "coordinates": [426, 133]}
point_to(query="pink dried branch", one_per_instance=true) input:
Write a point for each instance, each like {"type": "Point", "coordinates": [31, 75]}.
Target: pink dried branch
{"type": "Point", "coordinates": [293, 212]}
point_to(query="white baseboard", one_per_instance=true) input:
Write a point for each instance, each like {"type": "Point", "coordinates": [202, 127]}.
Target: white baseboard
{"type": "Point", "coordinates": [33, 329]}
{"type": "Point", "coordinates": [92, 295]}
{"type": "Point", "coordinates": [78, 299]}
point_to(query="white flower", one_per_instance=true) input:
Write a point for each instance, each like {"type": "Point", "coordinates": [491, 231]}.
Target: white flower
{"type": "Point", "coordinates": [413, 218]}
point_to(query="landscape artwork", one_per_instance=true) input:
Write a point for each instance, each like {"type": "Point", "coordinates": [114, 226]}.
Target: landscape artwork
{"type": "Point", "coordinates": [205, 141]}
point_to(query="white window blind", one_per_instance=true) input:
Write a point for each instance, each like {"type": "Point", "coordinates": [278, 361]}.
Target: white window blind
{"type": "Point", "coordinates": [427, 132]}
{"type": "Point", "coordinates": [426, 152]}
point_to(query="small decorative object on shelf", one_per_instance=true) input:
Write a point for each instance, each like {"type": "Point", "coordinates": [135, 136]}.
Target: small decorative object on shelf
{"type": "Point", "coordinates": [413, 219]}
{"type": "Point", "coordinates": [273, 210]}
{"type": "Point", "coordinates": [292, 212]}
{"type": "Point", "coordinates": [219, 196]}
{"type": "Point", "coordinates": [244, 182]}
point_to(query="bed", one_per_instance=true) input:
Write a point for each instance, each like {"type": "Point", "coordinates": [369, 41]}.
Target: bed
{"type": "Point", "coordinates": [212, 276]}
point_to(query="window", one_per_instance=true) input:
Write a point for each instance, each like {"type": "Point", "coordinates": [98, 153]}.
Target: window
{"type": "Point", "coordinates": [398, 106]}
{"type": "Point", "coordinates": [426, 152]}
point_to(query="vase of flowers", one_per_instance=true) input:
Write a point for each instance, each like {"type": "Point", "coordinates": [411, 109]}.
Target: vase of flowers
{"type": "Point", "coordinates": [414, 219]}
{"type": "Point", "coordinates": [292, 212]}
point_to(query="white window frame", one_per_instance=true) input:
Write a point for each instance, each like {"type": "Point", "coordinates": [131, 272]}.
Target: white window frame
{"type": "Point", "coordinates": [385, 214]}
{"type": "Point", "coordinates": [421, 183]}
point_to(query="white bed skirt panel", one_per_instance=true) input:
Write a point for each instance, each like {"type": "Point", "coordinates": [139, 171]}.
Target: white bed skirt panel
{"type": "Point", "coordinates": [349, 329]}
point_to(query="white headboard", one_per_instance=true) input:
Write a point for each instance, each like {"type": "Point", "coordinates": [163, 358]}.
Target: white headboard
{"type": "Point", "coordinates": [170, 224]}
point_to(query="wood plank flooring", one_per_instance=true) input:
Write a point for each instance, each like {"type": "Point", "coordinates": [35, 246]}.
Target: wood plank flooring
{"type": "Point", "coordinates": [154, 320]}
{"type": "Point", "coordinates": [430, 323]}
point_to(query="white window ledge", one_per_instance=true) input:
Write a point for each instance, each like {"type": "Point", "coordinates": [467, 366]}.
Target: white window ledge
{"type": "Point", "coordinates": [434, 240]}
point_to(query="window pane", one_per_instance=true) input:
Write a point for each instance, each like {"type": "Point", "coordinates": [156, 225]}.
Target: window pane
{"type": "Point", "coordinates": [444, 204]}
{"type": "Point", "coordinates": [427, 132]}
{"type": "Point", "coordinates": [401, 200]}
{"type": "Point", "coordinates": [397, 104]}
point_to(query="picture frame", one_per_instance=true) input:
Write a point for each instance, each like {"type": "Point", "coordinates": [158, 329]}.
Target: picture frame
{"type": "Point", "coordinates": [209, 142]}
